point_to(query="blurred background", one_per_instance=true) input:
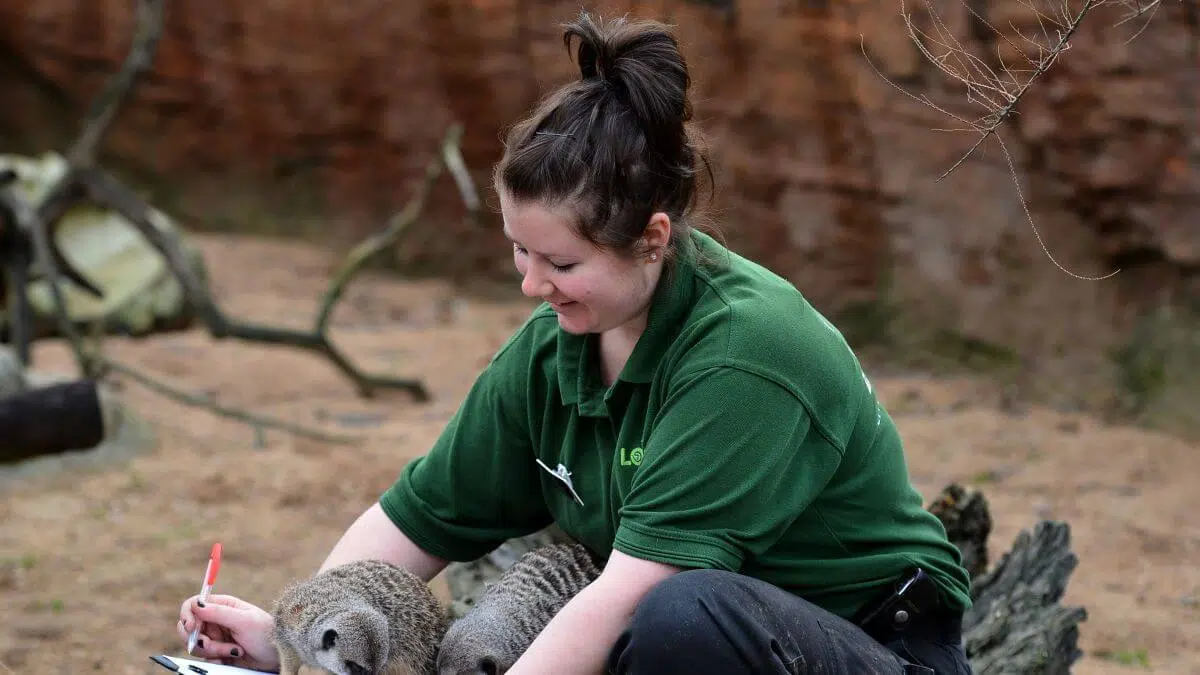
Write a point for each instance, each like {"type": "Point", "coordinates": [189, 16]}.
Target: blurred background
{"type": "Point", "coordinates": [314, 119]}
{"type": "Point", "coordinates": [281, 133]}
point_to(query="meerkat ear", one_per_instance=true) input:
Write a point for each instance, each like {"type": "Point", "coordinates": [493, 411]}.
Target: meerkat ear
{"type": "Point", "coordinates": [329, 639]}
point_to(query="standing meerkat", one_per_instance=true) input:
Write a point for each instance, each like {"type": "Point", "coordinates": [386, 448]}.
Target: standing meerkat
{"type": "Point", "coordinates": [362, 618]}
{"type": "Point", "coordinates": [513, 610]}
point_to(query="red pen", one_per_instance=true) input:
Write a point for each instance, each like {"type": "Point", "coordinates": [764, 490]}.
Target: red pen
{"type": "Point", "coordinates": [210, 578]}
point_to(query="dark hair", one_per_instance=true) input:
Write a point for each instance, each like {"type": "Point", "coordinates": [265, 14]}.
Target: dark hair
{"type": "Point", "coordinates": [616, 145]}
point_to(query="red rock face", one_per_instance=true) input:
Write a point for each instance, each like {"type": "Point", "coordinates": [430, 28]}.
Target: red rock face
{"type": "Point", "coordinates": [827, 173]}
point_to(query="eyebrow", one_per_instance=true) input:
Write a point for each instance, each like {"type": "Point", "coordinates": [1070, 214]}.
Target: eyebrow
{"type": "Point", "coordinates": [509, 237]}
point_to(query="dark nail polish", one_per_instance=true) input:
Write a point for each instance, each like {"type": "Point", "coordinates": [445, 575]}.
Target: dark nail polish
{"type": "Point", "coordinates": [200, 643]}
{"type": "Point", "coordinates": [199, 603]}
{"type": "Point", "coordinates": [235, 652]}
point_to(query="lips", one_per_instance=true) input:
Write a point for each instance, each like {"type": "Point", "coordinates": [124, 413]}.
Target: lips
{"type": "Point", "coordinates": [556, 306]}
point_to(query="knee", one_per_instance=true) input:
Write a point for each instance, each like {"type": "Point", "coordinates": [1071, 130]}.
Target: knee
{"type": "Point", "coordinates": [683, 609]}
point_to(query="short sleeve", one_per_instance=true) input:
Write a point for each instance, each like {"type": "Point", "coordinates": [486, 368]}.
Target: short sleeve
{"type": "Point", "coordinates": [730, 463]}
{"type": "Point", "coordinates": [477, 486]}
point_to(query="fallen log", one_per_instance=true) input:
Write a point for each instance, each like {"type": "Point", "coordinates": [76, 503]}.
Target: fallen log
{"type": "Point", "coordinates": [53, 419]}
{"type": "Point", "coordinates": [1016, 626]}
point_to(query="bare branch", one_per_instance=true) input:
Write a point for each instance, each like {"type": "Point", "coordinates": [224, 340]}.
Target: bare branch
{"type": "Point", "coordinates": [83, 181]}
{"type": "Point", "coordinates": [35, 229]}
{"type": "Point", "coordinates": [397, 224]}
{"type": "Point", "coordinates": [106, 191]}
{"type": "Point", "coordinates": [32, 231]}
{"type": "Point", "coordinates": [147, 32]}
{"type": "Point", "coordinates": [452, 156]}
{"type": "Point", "coordinates": [1136, 10]}
{"type": "Point", "coordinates": [996, 93]}
{"type": "Point", "coordinates": [206, 402]}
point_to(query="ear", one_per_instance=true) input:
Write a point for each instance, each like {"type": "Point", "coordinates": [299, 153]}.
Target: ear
{"type": "Point", "coordinates": [658, 232]}
{"type": "Point", "coordinates": [329, 639]}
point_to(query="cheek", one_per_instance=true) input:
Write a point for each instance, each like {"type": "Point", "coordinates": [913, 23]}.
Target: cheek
{"type": "Point", "coordinates": [579, 287]}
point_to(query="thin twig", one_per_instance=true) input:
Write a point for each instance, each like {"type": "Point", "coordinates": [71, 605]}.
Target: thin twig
{"type": "Point", "coordinates": [997, 93]}
{"type": "Point", "coordinates": [206, 402]}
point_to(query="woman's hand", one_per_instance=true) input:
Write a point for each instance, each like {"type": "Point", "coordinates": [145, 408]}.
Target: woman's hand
{"type": "Point", "coordinates": [235, 632]}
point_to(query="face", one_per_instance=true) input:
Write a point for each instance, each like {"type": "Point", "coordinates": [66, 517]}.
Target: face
{"type": "Point", "coordinates": [591, 289]}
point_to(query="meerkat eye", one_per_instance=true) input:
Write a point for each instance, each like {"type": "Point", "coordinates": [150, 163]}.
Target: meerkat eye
{"type": "Point", "coordinates": [488, 666]}
{"type": "Point", "coordinates": [329, 639]}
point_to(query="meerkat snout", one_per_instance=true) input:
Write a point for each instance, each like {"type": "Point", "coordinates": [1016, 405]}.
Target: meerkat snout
{"type": "Point", "coordinates": [361, 618]}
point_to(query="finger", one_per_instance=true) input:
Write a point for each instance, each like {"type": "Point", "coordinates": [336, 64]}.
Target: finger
{"type": "Point", "coordinates": [186, 626]}
{"type": "Point", "coordinates": [208, 648]}
{"type": "Point", "coordinates": [230, 618]}
{"type": "Point", "coordinates": [213, 648]}
{"type": "Point", "coordinates": [185, 609]}
{"type": "Point", "coordinates": [217, 633]}
{"type": "Point", "coordinates": [218, 599]}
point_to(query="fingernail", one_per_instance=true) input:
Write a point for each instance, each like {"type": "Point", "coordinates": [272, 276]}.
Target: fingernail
{"type": "Point", "coordinates": [199, 603]}
{"type": "Point", "coordinates": [235, 651]}
{"type": "Point", "coordinates": [200, 643]}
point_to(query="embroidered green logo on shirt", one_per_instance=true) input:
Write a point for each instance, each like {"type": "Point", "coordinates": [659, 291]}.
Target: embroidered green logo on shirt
{"type": "Point", "coordinates": [631, 457]}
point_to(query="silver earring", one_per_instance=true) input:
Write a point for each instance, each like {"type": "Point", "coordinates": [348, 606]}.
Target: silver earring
{"type": "Point", "coordinates": [653, 257]}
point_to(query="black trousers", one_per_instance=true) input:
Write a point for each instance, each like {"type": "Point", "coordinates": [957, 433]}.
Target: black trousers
{"type": "Point", "coordinates": [710, 621]}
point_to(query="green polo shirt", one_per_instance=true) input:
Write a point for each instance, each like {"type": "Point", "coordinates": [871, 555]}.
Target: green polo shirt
{"type": "Point", "coordinates": [741, 435]}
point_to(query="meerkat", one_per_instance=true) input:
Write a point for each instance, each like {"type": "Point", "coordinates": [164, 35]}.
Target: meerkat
{"type": "Point", "coordinates": [512, 610]}
{"type": "Point", "coordinates": [362, 618]}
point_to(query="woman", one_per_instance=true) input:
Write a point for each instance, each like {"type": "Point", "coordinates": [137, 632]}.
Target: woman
{"type": "Point", "coordinates": [675, 407]}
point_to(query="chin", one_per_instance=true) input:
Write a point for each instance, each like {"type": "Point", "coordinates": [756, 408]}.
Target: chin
{"type": "Point", "coordinates": [574, 326]}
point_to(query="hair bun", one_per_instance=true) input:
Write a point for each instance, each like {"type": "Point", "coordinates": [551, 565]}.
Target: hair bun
{"type": "Point", "coordinates": [640, 62]}
{"type": "Point", "coordinates": [594, 57]}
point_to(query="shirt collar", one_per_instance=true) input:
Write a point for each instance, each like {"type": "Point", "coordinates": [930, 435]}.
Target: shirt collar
{"type": "Point", "coordinates": [578, 377]}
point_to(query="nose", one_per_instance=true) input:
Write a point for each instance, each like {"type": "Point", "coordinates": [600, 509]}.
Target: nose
{"type": "Point", "coordinates": [534, 284]}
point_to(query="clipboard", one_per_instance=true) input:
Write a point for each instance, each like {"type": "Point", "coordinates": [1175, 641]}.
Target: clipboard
{"type": "Point", "coordinates": [186, 666]}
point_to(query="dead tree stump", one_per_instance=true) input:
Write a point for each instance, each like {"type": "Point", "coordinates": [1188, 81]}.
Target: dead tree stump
{"type": "Point", "coordinates": [1016, 626]}
{"type": "Point", "coordinates": [968, 523]}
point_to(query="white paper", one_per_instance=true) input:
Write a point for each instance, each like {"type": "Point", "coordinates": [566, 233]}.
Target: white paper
{"type": "Point", "coordinates": [212, 668]}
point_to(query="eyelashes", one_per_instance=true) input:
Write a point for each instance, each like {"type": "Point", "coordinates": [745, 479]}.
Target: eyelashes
{"type": "Point", "coordinates": [557, 268]}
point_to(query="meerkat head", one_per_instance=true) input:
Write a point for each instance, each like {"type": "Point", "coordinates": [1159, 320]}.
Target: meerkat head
{"type": "Point", "coordinates": [473, 645]}
{"type": "Point", "coordinates": [351, 641]}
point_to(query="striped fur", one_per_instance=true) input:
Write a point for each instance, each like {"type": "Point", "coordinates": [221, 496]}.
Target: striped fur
{"type": "Point", "coordinates": [512, 610]}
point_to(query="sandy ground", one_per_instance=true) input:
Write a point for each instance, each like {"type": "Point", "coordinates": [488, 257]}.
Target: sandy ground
{"type": "Point", "coordinates": [97, 553]}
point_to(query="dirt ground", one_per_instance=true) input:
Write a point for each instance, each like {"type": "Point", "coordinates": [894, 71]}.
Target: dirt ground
{"type": "Point", "coordinates": [95, 556]}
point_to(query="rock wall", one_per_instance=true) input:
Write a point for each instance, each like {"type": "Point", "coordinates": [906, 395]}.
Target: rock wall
{"type": "Point", "coordinates": [827, 172]}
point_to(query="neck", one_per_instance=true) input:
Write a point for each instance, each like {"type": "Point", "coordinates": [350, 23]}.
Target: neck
{"type": "Point", "coordinates": [617, 344]}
